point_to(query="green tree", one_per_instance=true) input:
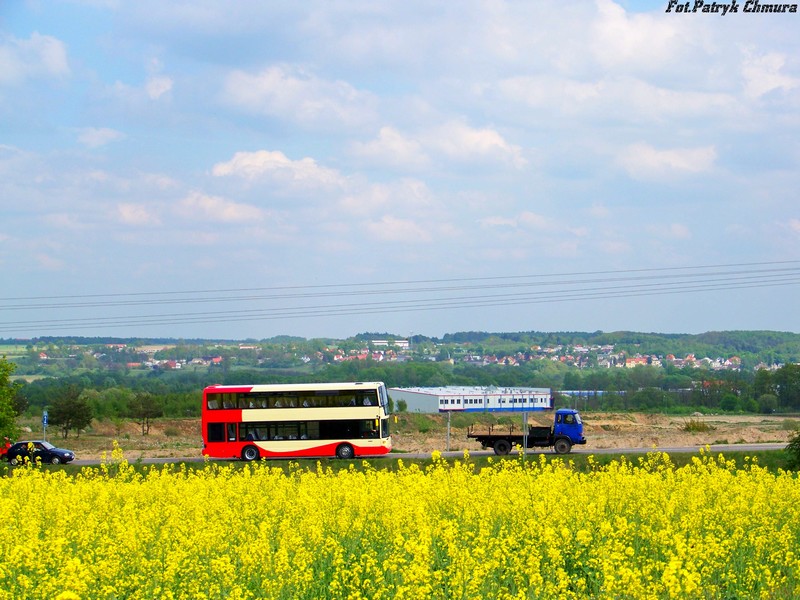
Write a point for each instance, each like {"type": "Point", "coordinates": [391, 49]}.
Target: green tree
{"type": "Point", "coordinates": [763, 384]}
{"type": "Point", "coordinates": [143, 409]}
{"type": "Point", "coordinates": [787, 380]}
{"type": "Point", "coordinates": [573, 380]}
{"type": "Point", "coordinates": [729, 402]}
{"type": "Point", "coordinates": [8, 400]}
{"type": "Point", "coordinates": [767, 403]}
{"type": "Point", "coordinates": [793, 451]}
{"type": "Point", "coordinates": [70, 410]}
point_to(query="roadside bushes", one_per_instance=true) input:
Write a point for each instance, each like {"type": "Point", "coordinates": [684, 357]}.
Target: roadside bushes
{"type": "Point", "coordinates": [793, 451]}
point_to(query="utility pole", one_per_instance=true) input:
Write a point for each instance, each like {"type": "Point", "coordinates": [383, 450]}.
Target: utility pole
{"type": "Point", "coordinates": [449, 412]}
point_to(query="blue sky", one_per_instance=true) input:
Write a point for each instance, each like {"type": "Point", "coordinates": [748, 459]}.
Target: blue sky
{"type": "Point", "coordinates": [250, 169]}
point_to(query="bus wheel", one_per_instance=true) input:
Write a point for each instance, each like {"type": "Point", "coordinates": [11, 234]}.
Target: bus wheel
{"type": "Point", "coordinates": [345, 451]}
{"type": "Point", "coordinates": [502, 447]}
{"type": "Point", "coordinates": [562, 446]}
{"type": "Point", "coordinates": [250, 453]}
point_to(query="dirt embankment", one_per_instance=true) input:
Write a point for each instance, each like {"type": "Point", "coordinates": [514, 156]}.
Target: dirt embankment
{"type": "Point", "coordinates": [633, 430]}
{"type": "Point", "coordinates": [181, 438]}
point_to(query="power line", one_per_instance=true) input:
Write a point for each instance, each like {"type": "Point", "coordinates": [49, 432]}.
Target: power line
{"type": "Point", "coordinates": [561, 288]}
{"type": "Point", "coordinates": [381, 288]}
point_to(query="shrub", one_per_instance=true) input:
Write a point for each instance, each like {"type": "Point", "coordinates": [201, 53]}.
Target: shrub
{"type": "Point", "coordinates": [696, 426]}
{"type": "Point", "coordinates": [793, 451]}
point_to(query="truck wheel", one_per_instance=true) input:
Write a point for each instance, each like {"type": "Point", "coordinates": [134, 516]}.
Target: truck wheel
{"type": "Point", "coordinates": [562, 446]}
{"type": "Point", "coordinates": [502, 447]}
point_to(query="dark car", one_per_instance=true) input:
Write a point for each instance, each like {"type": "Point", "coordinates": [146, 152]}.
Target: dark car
{"type": "Point", "coordinates": [38, 450]}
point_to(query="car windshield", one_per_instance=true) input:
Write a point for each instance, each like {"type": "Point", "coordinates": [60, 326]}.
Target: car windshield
{"type": "Point", "coordinates": [47, 445]}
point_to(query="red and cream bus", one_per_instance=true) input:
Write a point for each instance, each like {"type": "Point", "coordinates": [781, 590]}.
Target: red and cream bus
{"type": "Point", "coordinates": [345, 420]}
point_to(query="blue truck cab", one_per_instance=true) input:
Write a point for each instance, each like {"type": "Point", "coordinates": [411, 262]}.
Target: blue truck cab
{"type": "Point", "coordinates": [568, 424]}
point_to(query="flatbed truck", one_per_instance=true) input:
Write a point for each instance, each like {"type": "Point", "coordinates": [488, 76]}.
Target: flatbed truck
{"type": "Point", "coordinates": [566, 431]}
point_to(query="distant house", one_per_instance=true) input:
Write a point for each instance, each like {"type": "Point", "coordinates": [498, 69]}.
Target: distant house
{"type": "Point", "coordinates": [635, 361]}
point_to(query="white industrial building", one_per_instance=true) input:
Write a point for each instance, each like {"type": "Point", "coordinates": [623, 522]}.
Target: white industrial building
{"type": "Point", "coordinates": [472, 399]}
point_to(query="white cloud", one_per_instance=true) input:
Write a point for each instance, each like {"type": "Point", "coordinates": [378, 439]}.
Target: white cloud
{"type": "Point", "coordinates": [94, 137]}
{"type": "Point", "coordinates": [526, 219]}
{"type": "Point", "coordinates": [497, 221]}
{"type": "Point", "coordinates": [563, 249]}
{"type": "Point", "coordinates": [158, 86]}
{"type": "Point", "coordinates": [201, 207]}
{"type": "Point", "coordinates": [161, 182]}
{"type": "Point", "coordinates": [392, 148]}
{"type": "Point", "coordinates": [794, 225]}
{"type": "Point", "coordinates": [599, 210]}
{"type": "Point", "coordinates": [762, 74]}
{"type": "Point", "coordinates": [637, 40]}
{"type": "Point", "coordinates": [406, 196]}
{"type": "Point", "coordinates": [277, 166]}
{"type": "Point", "coordinates": [626, 98]}
{"type": "Point", "coordinates": [393, 229]}
{"type": "Point", "coordinates": [48, 262]}
{"type": "Point", "coordinates": [643, 161]}
{"type": "Point", "coordinates": [615, 247]}
{"type": "Point", "coordinates": [38, 56]}
{"type": "Point", "coordinates": [368, 201]}
{"type": "Point", "coordinates": [531, 220]}
{"type": "Point", "coordinates": [453, 141]}
{"type": "Point", "coordinates": [459, 141]}
{"type": "Point", "coordinates": [674, 231]}
{"type": "Point", "coordinates": [64, 221]}
{"type": "Point", "coordinates": [297, 96]}
{"type": "Point", "coordinates": [136, 214]}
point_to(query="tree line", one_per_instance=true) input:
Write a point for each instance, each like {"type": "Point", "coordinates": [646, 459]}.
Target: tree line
{"type": "Point", "coordinates": [73, 401]}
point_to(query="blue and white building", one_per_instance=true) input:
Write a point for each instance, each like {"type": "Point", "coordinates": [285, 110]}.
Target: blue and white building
{"type": "Point", "coordinates": [473, 399]}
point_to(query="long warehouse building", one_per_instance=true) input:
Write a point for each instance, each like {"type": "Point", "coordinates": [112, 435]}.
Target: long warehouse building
{"type": "Point", "coordinates": [472, 399]}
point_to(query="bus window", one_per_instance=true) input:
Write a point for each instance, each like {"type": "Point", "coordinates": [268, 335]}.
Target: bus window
{"type": "Point", "coordinates": [382, 396]}
{"type": "Point", "coordinates": [216, 432]}
{"type": "Point", "coordinates": [212, 402]}
{"type": "Point", "coordinates": [231, 432]}
{"type": "Point", "coordinates": [368, 429]}
{"type": "Point", "coordinates": [252, 431]}
{"type": "Point", "coordinates": [284, 431]}
{"type": "Point", "coordinates": [311, 430]}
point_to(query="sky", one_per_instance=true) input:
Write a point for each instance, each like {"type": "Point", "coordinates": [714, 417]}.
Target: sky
{"type": "Point", "coordinates": [247, 169]}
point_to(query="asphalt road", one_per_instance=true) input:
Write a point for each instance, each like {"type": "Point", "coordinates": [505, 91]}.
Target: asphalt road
{"type": "Point", "coordinates": [714, 448]}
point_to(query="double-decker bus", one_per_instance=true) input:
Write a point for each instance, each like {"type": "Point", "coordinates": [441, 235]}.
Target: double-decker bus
{"type": "Point", "coordinates": [345, 420]}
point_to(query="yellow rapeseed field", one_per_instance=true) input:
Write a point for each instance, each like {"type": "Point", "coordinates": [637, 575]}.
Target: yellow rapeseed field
{"type": "Point", "coordinates": [643, 529]}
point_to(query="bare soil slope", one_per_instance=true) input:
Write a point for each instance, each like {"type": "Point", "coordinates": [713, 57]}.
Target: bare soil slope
{"type": "Point", "coordinates": [633, 430]}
